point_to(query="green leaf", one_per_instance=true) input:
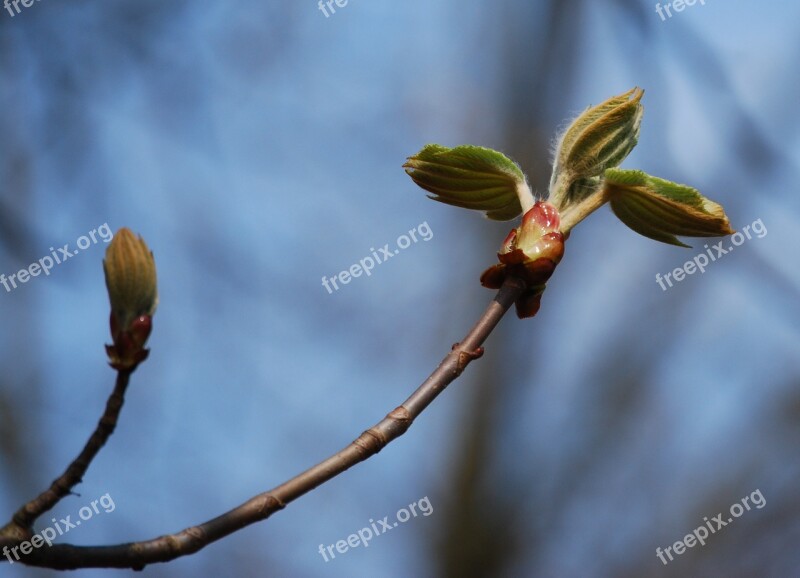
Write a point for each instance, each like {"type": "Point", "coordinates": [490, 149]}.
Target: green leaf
{"type": "Point", "coordinates": [471, 177]}
{"type": "Point", "coordinates": [660, 209]}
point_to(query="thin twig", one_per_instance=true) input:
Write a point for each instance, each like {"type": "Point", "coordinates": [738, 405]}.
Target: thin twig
{"type": "Point", "coordinates": [137, 555]}
{"type": "Point", "coordinates": [25, 517]}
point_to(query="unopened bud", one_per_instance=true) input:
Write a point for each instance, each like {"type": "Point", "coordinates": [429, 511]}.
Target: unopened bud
{"type": "Point", "coordinates": [130, 273]}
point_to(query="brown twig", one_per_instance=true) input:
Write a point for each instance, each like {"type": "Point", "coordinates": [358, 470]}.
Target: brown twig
{"type": "Point", "coordinates": [137, 555]}
{"type": "Point", "coordinates": [24, 518]}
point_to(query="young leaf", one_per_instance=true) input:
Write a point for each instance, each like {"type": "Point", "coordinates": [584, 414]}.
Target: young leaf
{"type": "Point", "coordinates": [661, 209]}
{"type": "Point", "coordinates": [600, 138]}
{"type": "Point", "coordinates": [471, 177]}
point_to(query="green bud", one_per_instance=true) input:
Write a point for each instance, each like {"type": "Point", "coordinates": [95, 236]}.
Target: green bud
{"type": "Point", "coordinates": [600, 138]}
{"type": "Point", "coordinates": [471, 177]}
{"type": "Point", "coordinates": [661, 209]}
{"type": "Point", "coordinates": [130, 272]}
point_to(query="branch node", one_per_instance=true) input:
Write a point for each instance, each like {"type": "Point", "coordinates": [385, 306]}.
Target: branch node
{"type": "Point", "coordinates": [465, 357]}
{"type": "Point", "coordinates": [401, 414]}
{"type": "Point", "coordinates": [370, 442]}
{"type": "Point", "coordinates": [269, 505]}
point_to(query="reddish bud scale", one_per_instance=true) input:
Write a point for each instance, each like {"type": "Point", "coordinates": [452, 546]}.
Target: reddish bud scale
{"type": "Point", "coordinates": [530, 253]}
{"type": "Point", "coordinates": [128, 349]}
{"type": "Point", "coordinates": [528, 303]}
{"type": "Point", "coordinates": [543, 215]}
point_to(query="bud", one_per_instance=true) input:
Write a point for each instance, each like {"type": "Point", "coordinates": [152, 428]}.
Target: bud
{"type": "Point", "coordinates": [530, 253]}
{"type": "Point", "coordinates": [600, 138]}
{"type": "Point", "coordinates": [130, 273]}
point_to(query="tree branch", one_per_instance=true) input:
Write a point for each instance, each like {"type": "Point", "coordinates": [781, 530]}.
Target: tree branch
{"type": "Point", "coordinates": [137, 555]}
{"type": "Point", "coordinates": [22, 522]}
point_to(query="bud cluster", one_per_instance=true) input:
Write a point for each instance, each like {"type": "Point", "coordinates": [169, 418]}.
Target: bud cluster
{"type": "Point", "coordinates": [529, 253]}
